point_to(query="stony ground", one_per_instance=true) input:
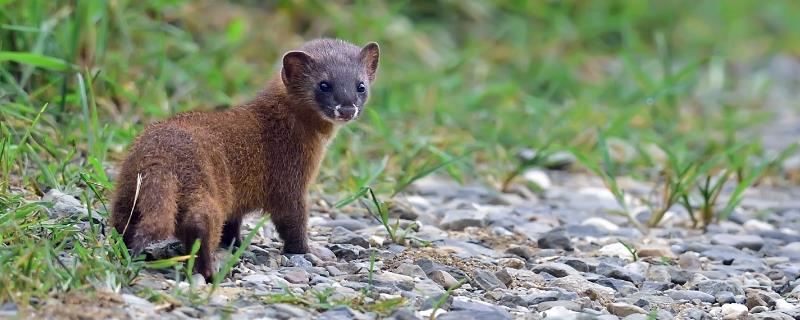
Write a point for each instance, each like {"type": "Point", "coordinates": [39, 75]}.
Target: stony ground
{"type": "Point", "coordinates": [558, 254]}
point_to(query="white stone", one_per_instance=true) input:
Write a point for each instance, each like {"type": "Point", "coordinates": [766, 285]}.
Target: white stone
{"type": "Point", "coordinates": [733, 310]}
{"type": "Point", "coordinates": [601, 224]}
{"type": "Point", "coordinates": [616, 250]}
{"type": "Point", "coordinates": [754, 225]}
{"type": "Point", "coordinates": [559, 312]}
{"type": "Point", "coordinates": [539, 177]}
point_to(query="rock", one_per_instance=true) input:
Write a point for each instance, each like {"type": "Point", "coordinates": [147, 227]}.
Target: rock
{"type": "Point", "coordinates": [348, 252]}
{"type": "Point", "coordinates": [579, 284]}
{"type": "Point", "coordinates": [444, 279]}
{"type": "Point", "coordinates": [402, 210]}
{"type": "Point", "coordinates": [411, 270]}
{"type": "Point", "coordinates": [689, 261]}
{"type": "Point", "coordinates": [457, 220]}
{"type": "Point", "coordinates": [725, 297]}
{"type": "Point", "coordinates": [555, 239]}
{"type": "Point", "coordinates": [655, 251]}
{"type": "Point", "coordinates": [295, 275]}
{"type": "Point", "coordinates": [322, 253]}
{"type": "Point", "coordinates": [679, 276]}
{"type": "Point", "coordinates": [64, 205]}
{"type": "Point", "coordinates": [137, 302]}
{"type": "Point", "coordinates": [755, 298]}
{"type": "Point", "coordinates": [623, 287]}
{"type": "Point", "coordinates": [402, 314]}
{"type": "Point", "coordinates": [341, 235]}
{"type": "Point", "coordinates": [771, 315]}
{"type": "Point", "coordinates": [601, 223]}
{"type": "Point", "coordinates": [713, 287]}
{"type": "Point", "coordinates": [539, 178]}
{"type": "Point", "coordinates": [563, 304]}
{"type": "Point", "coordinates": [555, 269]}
{"type": "Point", "coordinates": [624, 309]}
{"type": "Point", "coordinates": [696, 314]}
{"type": "Point", "coordinates": [522, 251]}
{"type": "Point", "coordinates": [690, 295]}
{"type": "Point", "coordinates": [658, 273]}
{"type": "Point", "coordinates": [487, 281]}
{"type": "Point", "coordinates": [616, 250]}
{"type": "Point", "coordinates": [755, 226]}
{"type": "Point", "coordinates": [515, 263]}
{"type": "Point", "coordinates": [738, 241]}
{"type": "Point", "coordinates": [579, 265]}
{"type": "Point", "coordinates": [734, 311]}
{"type": "Point", "coordinates": [340, 313]}
{"type": "Point", "coordinates": [257, 278]}
{"type": "Point", "coordinates": [560, 160]}
{"type": "Point", "coordinates": [474, 315]}
{"type": "Point", "coordinates": [656, 286]}
{"type": "Point", "coordinates": [617, 272]}
{"type": "Point", "coordinates": [297, 260]}
{"type": "Point", "coordinates": [429, 266]}
{"type": "Point", "coordinates": [288, 311]}
{"type": "Point", "coordinates": [349, 224]}
{"type": "Point", "coordinates": [427, 287]}
{"type": "Point", "coordinates": [505, 275]}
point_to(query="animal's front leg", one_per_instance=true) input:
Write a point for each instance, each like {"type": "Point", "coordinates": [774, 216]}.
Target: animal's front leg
{"type": "Point", "coordinates": [288, 213]}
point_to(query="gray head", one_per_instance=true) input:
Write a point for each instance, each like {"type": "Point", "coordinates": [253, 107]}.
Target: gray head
{"type": "Point", "coordinates": [332, 76]}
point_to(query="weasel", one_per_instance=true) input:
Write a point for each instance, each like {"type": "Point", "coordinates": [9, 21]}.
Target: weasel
{"type": "Point", "coordinates": [199, 173]}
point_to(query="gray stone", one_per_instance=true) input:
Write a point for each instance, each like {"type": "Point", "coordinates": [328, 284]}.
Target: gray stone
{"type": "Point", "coordinates": [411, 270]}
{"type": "Point", "coordinates": [617, 272]}
{"type": "Point", "coordinates": [771, 315]}
{"type": "Point", "coordinates": [340, 313]}
{"type": "Point", "coordinates": [348, 252]}
{"type": "Point", "coordinates": [402, 314]}
{"type": "Point", "coordinates": [297, 260]}
{"type": "Point", "coordinates": [135, 301]}
{"type": "Point", "coordinates": [322, 253]}
{"type": "Point", "coordinates": [579, 265]}
{"type": "Point", "coordinates": [689, 295]}
{"type": "Point", "coordinates": [341, 235]}
{"type": "Point", "coordinates": [724, 297]}
{"type": "Point", "coordinates": [696, 314]}
{"type": "Point", "coordinates": [349, 224]}
{"type": "Point", "coordinates": [295, 275]}
{"type": "Point", "coordinates": [505, 275]}
{"type": "Point", "coordinates": [656, 286]}
{"type": "Point", "coordinates": [64, 205]}
{"type": "Point", "coordinates": [555, 269]}
{"type": "Point", "coordinates": [474, 315]}
{"type": "Point", "coordinates": [538, 298]}
{"type": "Point", "coordinates": [579, 284]}
{"type": "Point", "coordinates": [713, 287]}
{"type": "Point", "coordinates": [429, 266]}
{"type": "Point", "coordinates": [522, 251]}
{"type": "Point", "coordinates": [487, 281]}
{"type": "Point", "coordinates": [556, 239]}
{"type": "Point", "coordinates": [679, 276]}
{"type": "Point", "coordinates": [739, 241]}
{"type": "Point", "coordinates": [457, 220]}
{"type": "Point", "coordinates": [621, 286]}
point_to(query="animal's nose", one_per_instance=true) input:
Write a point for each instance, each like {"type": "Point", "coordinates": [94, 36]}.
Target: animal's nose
{"type": "Point", "coordinates": [348, 112]}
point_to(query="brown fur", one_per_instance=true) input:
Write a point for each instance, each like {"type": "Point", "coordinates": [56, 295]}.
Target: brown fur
{"type": "Point", "coordinates": [202, 172]}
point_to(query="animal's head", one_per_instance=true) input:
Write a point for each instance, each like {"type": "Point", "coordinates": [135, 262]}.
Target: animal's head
{"type": "Point", "coordinates": [332, 76]}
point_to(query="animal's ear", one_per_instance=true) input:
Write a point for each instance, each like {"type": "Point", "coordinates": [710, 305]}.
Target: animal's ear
{"type": "Point", "coordinates": [294, 64]}
{"type": "Point", "coordinates": [369, 56]}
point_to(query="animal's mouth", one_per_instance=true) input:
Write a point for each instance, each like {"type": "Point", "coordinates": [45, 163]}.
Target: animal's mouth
{"type": "Point", "coordinates": [342, 113]}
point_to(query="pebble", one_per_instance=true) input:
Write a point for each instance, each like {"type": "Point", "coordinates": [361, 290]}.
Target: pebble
{"type": "Point", "coordinates": [411, 270]}
{"type": "Point", "coordinates": [734, 311]}
{"type": "Point", "coordinates": [341, 235]}
{"type": "Point", "coordinates": [689, 295]}
{"type": "Point", "coordinates": [617, 272]}
{"type": "Point", "coordinates": [487, 281]}
{"type": "Point", "coordinates": [624, 309]}
{"type": "Point", "coordinates": [457, 220]}
{"type": "Point", "coordinates": [616, 250]}
{"type": "Point", "coordinates": [739, 241]}
{"type": "Point", "coordinates": [444, 279]}
{"type": "Point", "coordinates": [555, 269]}
{"type": "Point", "coordinates": [64, 205]}
{"type": "Point", "coordinates": [295, 275]}
{"type": "Point", "coordinates": [556, 239]}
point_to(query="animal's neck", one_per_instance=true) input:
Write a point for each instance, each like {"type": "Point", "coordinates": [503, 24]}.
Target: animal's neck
{"type": "Point", "coordinates": [276, 103]}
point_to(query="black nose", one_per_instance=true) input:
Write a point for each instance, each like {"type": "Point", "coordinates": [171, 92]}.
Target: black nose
{"type": "Point", "coordinates": [347, 112]}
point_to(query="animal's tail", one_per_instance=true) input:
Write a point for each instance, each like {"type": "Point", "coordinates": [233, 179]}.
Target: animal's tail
{"type": "Point", "coordinates": [145, 208]}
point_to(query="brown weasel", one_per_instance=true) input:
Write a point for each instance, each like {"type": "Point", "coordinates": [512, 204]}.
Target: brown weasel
{"type": "Point", "coordinates": [201, 172]}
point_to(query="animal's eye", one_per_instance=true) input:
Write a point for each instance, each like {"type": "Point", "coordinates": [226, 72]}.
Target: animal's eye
{"type": "Point", "coordinates": [361, 88]}
{"type": "Point", "coordinates": [324, 86]}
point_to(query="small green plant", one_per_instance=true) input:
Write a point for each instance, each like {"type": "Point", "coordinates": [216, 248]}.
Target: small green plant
{"type": "Point", "coordinates": [679, 176]}
{"type": "Point", "coordinates": [631, 249]}
{"type": "Point", "coordinates": [234, 258]}
{"type": "Point", "coordinates": [443, 297]}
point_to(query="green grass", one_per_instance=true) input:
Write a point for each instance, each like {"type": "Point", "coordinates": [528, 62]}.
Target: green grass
{"type": "Point", "coordinates": [463, 86]}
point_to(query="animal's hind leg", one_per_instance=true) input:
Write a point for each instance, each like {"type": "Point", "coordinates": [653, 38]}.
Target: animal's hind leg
{"type": "Point", "coordinates": [231, 233]}
{"type": "Point", "coordinates": [202, 220]}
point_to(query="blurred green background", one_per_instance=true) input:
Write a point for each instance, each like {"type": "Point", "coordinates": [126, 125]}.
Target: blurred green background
{"type": "Point", "coordinates": [463, 86]}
